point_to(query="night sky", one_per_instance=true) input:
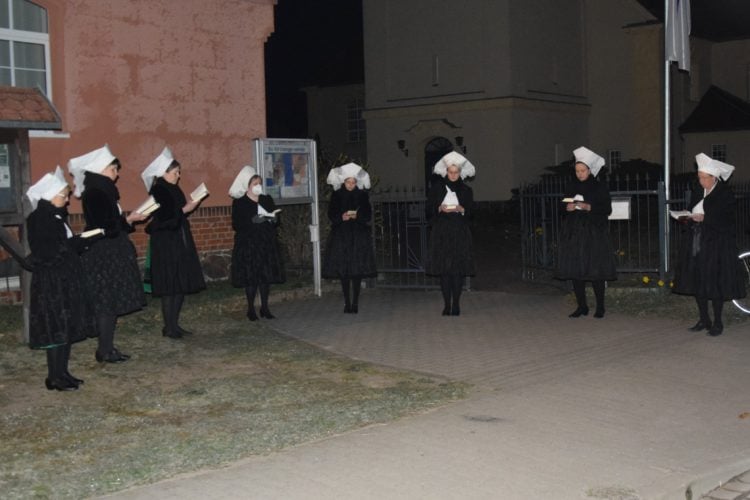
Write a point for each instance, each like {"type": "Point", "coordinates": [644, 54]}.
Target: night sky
{"type": "Point", "coordinates": [314, 43]}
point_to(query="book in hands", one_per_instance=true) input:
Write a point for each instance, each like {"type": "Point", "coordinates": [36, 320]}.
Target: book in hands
{"type": "Point", "coordinates": [273, 214]}
{"type": "Point", "coordinates": [351, 213]}
{"type": "Point", "coordinates": [92, 232]}
{"type": "Point", "coordinates": [680, 214]}
{"type": "Point", "coordinates": [200, 192]}
{"type": "Point", "coordinates": [148, 206]}
{"type": "Point", "coordinates": [574, 199]}
{"type": "Point", "coordinates": [450, 207]}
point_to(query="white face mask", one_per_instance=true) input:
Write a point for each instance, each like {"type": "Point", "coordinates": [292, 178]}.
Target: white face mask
{"type": "Point", "coordinates": [257, 190]}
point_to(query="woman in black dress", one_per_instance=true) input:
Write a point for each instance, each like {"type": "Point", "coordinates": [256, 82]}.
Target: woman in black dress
{"type": "Point", "coordinates": [111, 264]}
{"type": "Point", "coordinates": [349, 253]}
{"type": "Point", "coordinates": [60, 311]}
{"type": "Point", "coordinates": [449, 209]}
{"type": "Point", "coordinates": [709, 267]}
{"type": "Point", "coordinates": [175, 266]}
{"type": "Point", "coordinates": [256, 258]}
{"type": "Point", "coordinates": [585, 249]}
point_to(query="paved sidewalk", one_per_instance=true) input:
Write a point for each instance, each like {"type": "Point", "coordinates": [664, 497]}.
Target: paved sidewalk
{"type": "Point", "coordinates": [616, 408]}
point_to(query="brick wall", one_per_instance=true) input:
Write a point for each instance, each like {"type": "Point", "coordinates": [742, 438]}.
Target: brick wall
{"type": "Point", "coordinates": [212, 231]}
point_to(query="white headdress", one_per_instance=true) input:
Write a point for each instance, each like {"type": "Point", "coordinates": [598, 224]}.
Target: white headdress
{"type": "Point", "coordinates": [157, 168]}
{"type": "Point", "coordinates": [47, 187]}
{"type": "Point", "coordinates": [95, 161]}
{"type": "Point", "coordinates": [239, 186]}
{"type": "Point", "coordinates": [338, 175]}
{"type": "Point", "coordinates": [713, 167]}
{"type": "Point", "coordinates": [590, 159]}
{"type": "Point", "coordinates": [465, 166]}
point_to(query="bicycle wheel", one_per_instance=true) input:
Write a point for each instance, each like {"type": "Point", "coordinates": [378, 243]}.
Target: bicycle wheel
{"type": "Point", "coordinates": [744, 304]}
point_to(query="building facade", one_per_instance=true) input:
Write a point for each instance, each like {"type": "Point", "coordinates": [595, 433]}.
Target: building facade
{"type": "Point", "coordinates": [142, 74]}
{"type": "Point", "coordinates": [519, 85]}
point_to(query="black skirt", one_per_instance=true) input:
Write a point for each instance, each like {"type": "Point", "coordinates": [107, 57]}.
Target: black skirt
{"type": "Point", "coordinates": [256, 258]}
{"type": "Point", "coordinates": [113, 277]}
{"type": "Point", "coordinates": [175, 266]}
{"type": "Point", "coordinates": [61, 310]}
{"type": "Point", "coordinates": [585, 251]}
{"type": "Point", "coordinates": [451, 248]}
{"type": "Point", "coordinates": [349, 252]}
{"type": "Point", "coordinates": [708, 265]}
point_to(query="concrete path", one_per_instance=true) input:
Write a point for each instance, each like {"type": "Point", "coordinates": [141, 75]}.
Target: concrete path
{"type": "Point", "coordinates": [613, 408]}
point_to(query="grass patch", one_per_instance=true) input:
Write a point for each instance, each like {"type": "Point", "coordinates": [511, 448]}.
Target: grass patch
{"type": "Point", "coordinates": [232, 390]}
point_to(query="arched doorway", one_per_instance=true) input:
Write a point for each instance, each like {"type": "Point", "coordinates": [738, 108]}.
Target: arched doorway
{"type": "Point", "coordinates": [433, 151]}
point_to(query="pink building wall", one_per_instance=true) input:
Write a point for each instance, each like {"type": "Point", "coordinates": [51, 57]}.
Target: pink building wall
{"type": "Point", "coordinates": [142, 74]}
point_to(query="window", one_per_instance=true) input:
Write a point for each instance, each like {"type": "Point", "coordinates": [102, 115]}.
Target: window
{"type": "Point", "coordinates": [719, 152]}
{"type": "Point", "coordinates": [355, 124]}
{"type": "Point", "coordinates": [615, 158]}
{"type": "Point", "coordinates": [24, 45]}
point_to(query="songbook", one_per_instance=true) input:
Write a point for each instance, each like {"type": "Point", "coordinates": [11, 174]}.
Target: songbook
{"type": "Point", "coordinates": [148, 206]}
{"type": "Point", "coordinates": [351, 213]}
{"type": "Point", "coordinates": [574, 199]}
{"type": "Point", "coordinates": [92, 232]}
{"type": "Point", "coordinates": [450, 207]}
{"type": "Point", "coordinates": [680, 214]}
{"type": "Point", "coordinates": [200, 192]}
{"type": "Point", "coordinates": [273, 214]}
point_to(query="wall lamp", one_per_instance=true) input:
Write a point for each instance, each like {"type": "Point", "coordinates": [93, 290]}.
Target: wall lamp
{"type": "Point", "coordinates": [460, 144]}
{"type": "Point", "coordinates": [402, 147]}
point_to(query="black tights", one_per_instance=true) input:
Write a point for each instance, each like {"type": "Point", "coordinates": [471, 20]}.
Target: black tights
{"type": "Point", "coordinates": [718, 305]}
{"type": "Point", "coordinates": [579, 288]}
{"type": "Point", "coordinates": [351, 288]}
{"type": "Point", "coordinates": [450, 286]}
{"type": "Point", "coordinates": [57, 361]}
{"type": "Point", "coordinates": [251, 290]}
{"type": "Point", "coordinates": [106, 324]}
{"type": "Point", "coordinates": [171, 305]}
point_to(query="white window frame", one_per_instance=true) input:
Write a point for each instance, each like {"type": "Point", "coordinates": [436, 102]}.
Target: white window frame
{"type": "Point", "coordinates": [352, 125]}
{"type": "Point", "coordinates": [15, 35]}
{"type": "Point", "coordinates": [610, 154]}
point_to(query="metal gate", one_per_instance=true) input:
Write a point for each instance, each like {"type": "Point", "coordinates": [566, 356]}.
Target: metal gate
{"type": "Point", "coordinates": [401, 235]}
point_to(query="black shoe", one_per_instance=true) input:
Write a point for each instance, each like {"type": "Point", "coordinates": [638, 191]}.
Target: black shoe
{"type": "Point", "coordinates": [251, 315]}
{"type": "Point", "coordinates": [121, 355]}
{"type": "Point", "coordinates": [581, 311]}
{"type": "Point", "coordinates": [599, 313]}
{"type": "Point", "coordinates": [455, 311]}
{"type": "Point", "coordinates": [347, 309]}
{"type": "Point", "coordinates": [265, 313]}
{"type": "Point", "coordinates": [59, 384]}
{"type": "Point", "coordinates": [182, 331]}
{"type": "Point", "coordinates": [113, 356]}
{"type": "Point", "coordinates": [446, 311]}
{"type": "Point", "coordinates": [72, 379]}
{"type": "Point", "coordinates": [716, 330]}
{"type": "Point", "coordinates": [700, 325]}
{"type": "Point", "coordinates": [355, 308]}
{"type": "Point", "coordinates": [171, 334]}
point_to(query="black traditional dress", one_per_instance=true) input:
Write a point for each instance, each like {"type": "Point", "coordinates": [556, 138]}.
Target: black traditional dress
{"type": "Point", "coordinates": [175, 266]}
{"type": "Point", "coordinates": [256, 257]}
{"type": "Point", "coordinates": [585, 252]}
{"type": "Point", "coordinates": [349, 250]}
{"type": "Point", "coordinates": [111, 265]}
{"type": "Point", "coordinates": [60, 309]}
{"type": "Point", "coordinates": [451, 249]}
{"type": "Point", "coordinates": [708, 266]}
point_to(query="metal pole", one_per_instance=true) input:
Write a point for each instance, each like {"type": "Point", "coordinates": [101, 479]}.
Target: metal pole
{"type": "Point", "coordinates": [664, 207]}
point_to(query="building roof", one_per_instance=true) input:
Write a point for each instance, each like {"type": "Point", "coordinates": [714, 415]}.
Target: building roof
{"type": "Point", "coordinates": [25, 108]}
{"type": "Point", "coordinates": [718, 110]}
{"type": "Point", "coordinates": [715, 20]}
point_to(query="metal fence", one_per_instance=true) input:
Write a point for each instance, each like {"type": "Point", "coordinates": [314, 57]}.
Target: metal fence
{"type": "Point", "coordinates": [401, 235]}
{"type": "Point", "coordinates": [635, 240]}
